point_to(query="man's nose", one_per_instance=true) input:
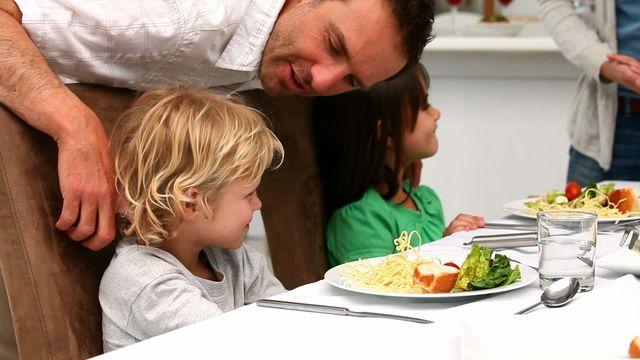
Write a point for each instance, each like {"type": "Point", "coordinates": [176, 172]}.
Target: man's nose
{"type": "Point", "coordinates": [258, 204]}
{"type": "Point", "coordinates": [330, 78]}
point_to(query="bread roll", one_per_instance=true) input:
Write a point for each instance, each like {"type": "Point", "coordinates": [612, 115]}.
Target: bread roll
{"type": "Point", "coordinates": [625, 198]}
{"type": "Point", "coordinates": [436, 278]}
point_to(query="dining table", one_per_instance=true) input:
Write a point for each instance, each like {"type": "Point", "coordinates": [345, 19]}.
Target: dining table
{"type": "Point", "coordinates": [598, 324]}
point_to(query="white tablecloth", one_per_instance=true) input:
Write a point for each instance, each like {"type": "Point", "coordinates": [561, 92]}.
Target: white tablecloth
{"type": "Point", "coordinates": [265, 333]}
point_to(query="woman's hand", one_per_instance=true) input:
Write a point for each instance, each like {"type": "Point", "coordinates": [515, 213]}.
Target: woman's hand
{"type": "Point", "coordinates": [623, 70]}
{"type": "Point", "coordinates": [464, 222]}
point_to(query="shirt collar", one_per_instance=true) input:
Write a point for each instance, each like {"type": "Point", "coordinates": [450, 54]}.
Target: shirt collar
{"type": "Point", "coordinates": [244, 51]}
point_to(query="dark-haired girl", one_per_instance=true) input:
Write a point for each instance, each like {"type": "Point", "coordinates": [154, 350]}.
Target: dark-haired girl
{"type": "Point", "coordinates": [368, 141]}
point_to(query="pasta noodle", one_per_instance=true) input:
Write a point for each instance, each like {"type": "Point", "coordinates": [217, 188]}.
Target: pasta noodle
{"type": "Point", "coordinates": [394, 273]}
{"type": "Point", "coordinates": [596, 202]}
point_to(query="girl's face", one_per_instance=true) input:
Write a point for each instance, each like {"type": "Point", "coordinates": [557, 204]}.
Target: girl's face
{"type": "Point", "coordinates": [232, 214]}
{"type": "Point", "coordinates": [422, 142]}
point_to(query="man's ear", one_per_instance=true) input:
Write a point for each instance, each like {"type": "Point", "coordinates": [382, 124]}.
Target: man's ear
{"type": "Point", "coordinates": [11, 8]}
{"type": "Point", "coordinates": [189, 207]}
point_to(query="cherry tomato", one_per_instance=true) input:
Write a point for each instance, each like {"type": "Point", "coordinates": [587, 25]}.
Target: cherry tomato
{"type": "Point", "coordinates": [452, 264]}
{"type": "Point", "coordinates": [573, 190]}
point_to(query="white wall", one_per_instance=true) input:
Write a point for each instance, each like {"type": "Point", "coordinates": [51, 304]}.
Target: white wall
{"type": "Point", "coordinates": [503, 127]}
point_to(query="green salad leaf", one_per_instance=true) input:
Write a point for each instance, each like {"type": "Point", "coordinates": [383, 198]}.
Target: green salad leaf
{"type": "Point", "coordinates": [499, 274]}
{"type": "Point", "coordinates": [479, 271]}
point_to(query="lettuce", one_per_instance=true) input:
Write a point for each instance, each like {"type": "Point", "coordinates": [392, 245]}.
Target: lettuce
{"type": "Point", "coordinates": [474, 267]}
{"type": "Point", "coordinates": [478, 272]}
{"type": "Point", "coordinates": [499, 274]}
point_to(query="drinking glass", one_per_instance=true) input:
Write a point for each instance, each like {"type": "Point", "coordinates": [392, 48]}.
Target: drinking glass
{"type": "Point", "coordinates": [567, 246]}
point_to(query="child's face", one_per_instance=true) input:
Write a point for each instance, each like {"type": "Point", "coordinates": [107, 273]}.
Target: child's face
{"type": "Point", "coordinates": [422, 142]}
{"type": "Point", "coordinates": [232, 214]}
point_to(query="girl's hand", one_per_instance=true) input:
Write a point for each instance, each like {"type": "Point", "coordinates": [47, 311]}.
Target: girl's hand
{"type": "Point", "coordinates": [464, 222]}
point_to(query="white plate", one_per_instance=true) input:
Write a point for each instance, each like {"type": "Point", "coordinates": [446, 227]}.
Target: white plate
{"type": "Point", "coordinates": [527, 276]}
{"type": "Point", "coordinates": [621, 260]}
{"type": "Point", "coordinates": [517, 208]}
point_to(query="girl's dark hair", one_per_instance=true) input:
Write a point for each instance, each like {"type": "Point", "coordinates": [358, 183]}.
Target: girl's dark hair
{"type": "Point", "coordinates": [351, 149]}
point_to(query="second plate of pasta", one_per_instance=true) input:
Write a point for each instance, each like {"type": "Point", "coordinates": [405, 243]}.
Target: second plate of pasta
{"type": "Point", "coordinates": [518, 208]}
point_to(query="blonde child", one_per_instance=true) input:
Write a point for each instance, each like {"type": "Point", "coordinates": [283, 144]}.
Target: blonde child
{"type": "Point", "coordinates": [188, 163]}
{"type": "Point", "coordinates": [368, 142]}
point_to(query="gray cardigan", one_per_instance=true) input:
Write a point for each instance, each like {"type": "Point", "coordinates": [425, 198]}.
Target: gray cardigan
{"type": "Point", "coordinates": [592, 117]}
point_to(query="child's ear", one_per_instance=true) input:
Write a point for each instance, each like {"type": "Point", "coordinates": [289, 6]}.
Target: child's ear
{"type": "Point", "coordinates": [379, 134]}
{"type": "Point", "coordinates": [189, 207]}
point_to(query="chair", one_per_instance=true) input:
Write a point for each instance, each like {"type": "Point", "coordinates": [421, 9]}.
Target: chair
{"type": "Point", "coordinates": [52, 282]}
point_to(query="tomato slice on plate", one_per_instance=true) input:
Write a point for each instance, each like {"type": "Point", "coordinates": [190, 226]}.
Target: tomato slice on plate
{"type": "Point", "coordinates": [452, 264]}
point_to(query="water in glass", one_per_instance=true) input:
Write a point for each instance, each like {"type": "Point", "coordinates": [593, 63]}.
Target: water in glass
{"type": "Point", "coordinates": [559, 258]}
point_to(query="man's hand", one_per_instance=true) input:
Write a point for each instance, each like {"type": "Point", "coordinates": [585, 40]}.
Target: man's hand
{"type": "Point", "coordinates": [623, 70]}
{"type": "Point", "coordinates": [85, 168]}
{"type": "Point", "coordinates": [35, 94]}
{"type": "Point", "coordinates": [464, 222]}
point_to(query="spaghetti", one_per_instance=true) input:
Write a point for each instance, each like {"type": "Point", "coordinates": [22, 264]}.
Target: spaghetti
{"type": "Point", "coordinates": [394, 273]}
{"type": "Point", "coordinates": [594, 201]}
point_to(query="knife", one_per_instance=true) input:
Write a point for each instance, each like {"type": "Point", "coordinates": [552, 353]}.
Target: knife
{"type": "Point", "coordinates": [525, 227]}
{"type": "Point", "coordinates": [333, 310]}
{"type": "Point", "coordinates": [505, 240]}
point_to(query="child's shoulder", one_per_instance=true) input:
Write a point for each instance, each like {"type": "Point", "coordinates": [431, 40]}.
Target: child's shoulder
{"type": "Point", "coordinates": [243, 256]}
{"type": "Point", "coordinates": [425, 190]}
{"type": "Point", "coordinates": [138, 265]}
{"type": "Point", "coordinates": [370, 202]}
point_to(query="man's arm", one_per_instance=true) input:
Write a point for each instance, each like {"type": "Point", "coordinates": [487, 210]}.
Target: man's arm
{"type": "Point", "coordinates": [34, 93]}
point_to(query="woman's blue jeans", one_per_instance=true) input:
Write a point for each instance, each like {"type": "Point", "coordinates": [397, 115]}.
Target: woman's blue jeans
{"type": "Point", "coordinates": [625, 164]}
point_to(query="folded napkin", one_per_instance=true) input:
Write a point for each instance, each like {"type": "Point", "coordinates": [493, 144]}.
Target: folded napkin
{"type": "Point", "coordinates": [596, 325]}
{"type": "Point", "coordinates": [621, 260]}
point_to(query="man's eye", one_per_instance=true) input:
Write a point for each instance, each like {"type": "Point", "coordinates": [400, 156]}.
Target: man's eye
{"type": "Point", "coordinates": [352, 81]}
{"type": "Point", "coordinates": [332, 48]}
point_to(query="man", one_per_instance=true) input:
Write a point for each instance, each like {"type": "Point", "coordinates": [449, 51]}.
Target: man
{"type": "Point", "coordinates": [301, 47]}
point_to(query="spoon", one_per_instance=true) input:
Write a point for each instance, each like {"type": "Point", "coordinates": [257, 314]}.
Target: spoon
{"type": "Point", "coordinates": [559, 293]}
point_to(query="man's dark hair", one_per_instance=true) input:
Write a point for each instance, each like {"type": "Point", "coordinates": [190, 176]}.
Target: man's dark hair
{"type": "Point", "coordinates": [414, 19]}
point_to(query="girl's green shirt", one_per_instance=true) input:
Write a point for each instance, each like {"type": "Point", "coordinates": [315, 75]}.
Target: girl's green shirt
{"type": "Point", "coordinates": [367, 227]}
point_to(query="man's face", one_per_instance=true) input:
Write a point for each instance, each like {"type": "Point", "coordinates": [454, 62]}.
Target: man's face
{"type": "Point", "coordinates": [329, 47]}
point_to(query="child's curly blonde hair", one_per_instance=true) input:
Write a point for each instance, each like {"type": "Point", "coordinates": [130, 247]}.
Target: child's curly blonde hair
{"type": "Point", "coordinates": [173, 140]}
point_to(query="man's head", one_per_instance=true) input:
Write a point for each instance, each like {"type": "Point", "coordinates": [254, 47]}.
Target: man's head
{"type": "Point", "coordinates": [325, 47]}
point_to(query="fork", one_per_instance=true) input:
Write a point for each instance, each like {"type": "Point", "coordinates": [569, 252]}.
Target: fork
{"type": "Point", "coordinates": [518, 262]}
{"type": "Point", "coordinates": [585, 260]}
